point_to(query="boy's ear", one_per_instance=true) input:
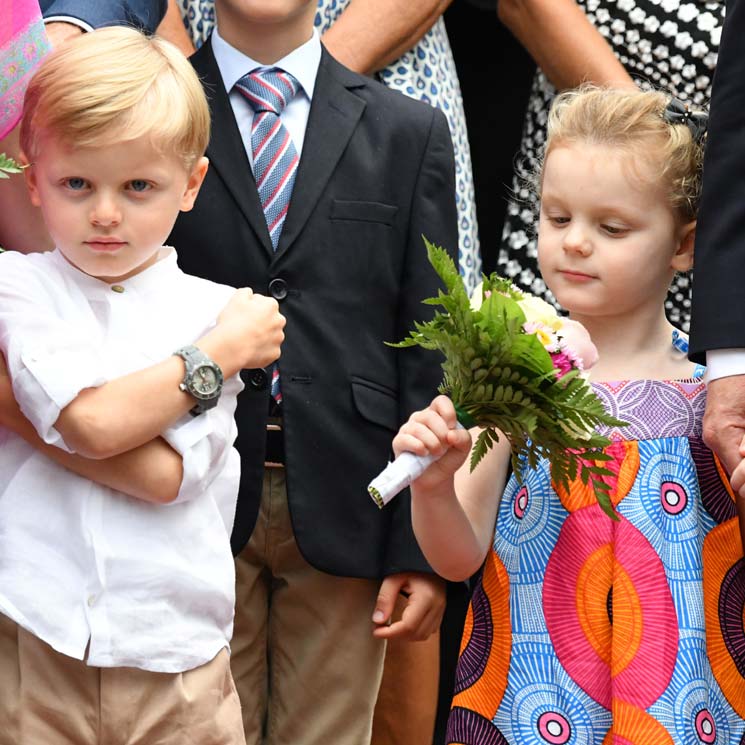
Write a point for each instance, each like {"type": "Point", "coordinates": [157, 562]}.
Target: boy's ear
{"type": "Point", "coordinates": [29, 173]}
{"type": "Point", "coordinates": [683, 258]}
{"type": "Point", "coordinates": [193, 184]}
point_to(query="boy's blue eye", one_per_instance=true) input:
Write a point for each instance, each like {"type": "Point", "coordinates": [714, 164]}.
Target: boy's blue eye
{"type": "Point", "coordinates": [76, 183]}
{"type": "Point", "coordinates": [139, 185]}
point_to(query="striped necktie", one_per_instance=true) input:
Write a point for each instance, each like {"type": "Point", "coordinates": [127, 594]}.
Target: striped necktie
{"type": "Point", "coordinates": [275, 158]}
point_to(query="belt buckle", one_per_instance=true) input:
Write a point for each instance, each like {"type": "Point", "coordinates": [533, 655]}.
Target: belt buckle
{"type": "Point", "coordinates": [273, 424]}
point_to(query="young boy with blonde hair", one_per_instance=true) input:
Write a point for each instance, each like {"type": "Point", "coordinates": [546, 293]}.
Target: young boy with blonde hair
{"type": "Point", "coordinates": [117, 496]}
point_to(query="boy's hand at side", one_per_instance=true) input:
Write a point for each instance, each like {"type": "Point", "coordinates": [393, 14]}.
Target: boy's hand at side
{"type": "Point", "coordinates": [425, 605]}
{"type": "Point", "coordinates": [249, 333]}
{"type": "Point", "coordinates": [433, 431]}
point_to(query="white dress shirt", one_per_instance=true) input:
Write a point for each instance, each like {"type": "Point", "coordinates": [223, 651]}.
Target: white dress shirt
{"type": "Point", "coordinates": [302, 63]}
{"type": "Point", "coordinates": [144, 585]}
{"type": "Point", "coordinates": [722, 363]}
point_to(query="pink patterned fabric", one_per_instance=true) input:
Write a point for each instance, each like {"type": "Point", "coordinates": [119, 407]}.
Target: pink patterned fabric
{"type": "Point", "coordinates": [23, 43]}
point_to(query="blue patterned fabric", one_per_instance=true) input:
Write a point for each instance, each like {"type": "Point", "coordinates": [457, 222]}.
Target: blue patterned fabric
{"type": "Point", "coordinates": [426, 73]}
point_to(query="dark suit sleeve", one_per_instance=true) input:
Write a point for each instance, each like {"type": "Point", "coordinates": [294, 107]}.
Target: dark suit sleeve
{"type": "Point", "coordinates": [143, 14]}
{"type": "Point", "coordinates": [718, 297]}
{"type": "Point", "coordinates": [433, 215]}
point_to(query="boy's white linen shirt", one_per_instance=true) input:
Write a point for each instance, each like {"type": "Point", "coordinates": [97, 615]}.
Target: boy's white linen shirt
{"type": "Point", "coordinates": [147, 586]}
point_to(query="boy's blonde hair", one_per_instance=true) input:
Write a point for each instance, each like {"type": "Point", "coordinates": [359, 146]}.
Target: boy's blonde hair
{"type": "Point", "coordinates": [116, 84]}
{"type": "Point", "coordinates": [632, 120]}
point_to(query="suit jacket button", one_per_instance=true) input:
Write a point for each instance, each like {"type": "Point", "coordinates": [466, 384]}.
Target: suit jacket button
{"type": "Point", "coordinates": [278, 288]}
{"type": "Point", "coordinates": [258, 379]}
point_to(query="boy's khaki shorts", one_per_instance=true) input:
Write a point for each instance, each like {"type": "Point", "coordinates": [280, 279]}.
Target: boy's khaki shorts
{"type": "Point", "coordinates": [47, 698]}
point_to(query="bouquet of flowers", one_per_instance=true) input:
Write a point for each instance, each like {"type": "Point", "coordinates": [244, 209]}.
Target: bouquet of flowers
{"type": "Point", "coordinates": [512, 366]}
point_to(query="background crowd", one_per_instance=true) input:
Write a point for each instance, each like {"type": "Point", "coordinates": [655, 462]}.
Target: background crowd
{"type": "Point", "coordinates": [493, 71]}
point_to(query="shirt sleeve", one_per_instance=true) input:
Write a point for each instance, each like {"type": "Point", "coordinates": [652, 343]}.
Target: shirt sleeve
{"type": "Point", "coordinates": [50, 360]}
{"type": "Point", "coordinates": [89, 14]}
{"type": "Point", "coordinates": [722, 363]}
{"type": "Point", "coordinates": [205, 442]}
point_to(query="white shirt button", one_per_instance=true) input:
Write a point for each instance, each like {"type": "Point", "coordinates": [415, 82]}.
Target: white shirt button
{"type": "Point", "coordinates": [91, 600]}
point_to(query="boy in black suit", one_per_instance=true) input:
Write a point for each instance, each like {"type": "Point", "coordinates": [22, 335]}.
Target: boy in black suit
{"type": "Point", "coordinates": [349, 269]}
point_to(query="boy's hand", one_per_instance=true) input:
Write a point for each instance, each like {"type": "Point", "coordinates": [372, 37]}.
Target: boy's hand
{"type": "Point", "coordinates": [252, 329]}
{"type": "Point", "coordinates": [425, 604]}
{"type": "Point", "coordinates": [432, 431]}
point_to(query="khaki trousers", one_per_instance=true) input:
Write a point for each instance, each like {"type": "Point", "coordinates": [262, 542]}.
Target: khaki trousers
{"type": "Point", "coordinates": [407, 703]}
{"type": "Point", "coordinates": [47, 698]}
{"type": "Point", "coordinates": [304, 660]}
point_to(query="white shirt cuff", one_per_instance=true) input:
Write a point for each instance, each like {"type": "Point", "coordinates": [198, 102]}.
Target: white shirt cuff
{"type": "Point", "coordinates": [722, 363]}
{"type": "Point", "coordinates": [69, 19]}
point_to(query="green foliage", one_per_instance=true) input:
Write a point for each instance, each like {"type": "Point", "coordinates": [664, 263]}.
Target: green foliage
{"type": "Point", "coordinates": [8, 166]}
{"type": "Point", "coordinates": [504, 380]}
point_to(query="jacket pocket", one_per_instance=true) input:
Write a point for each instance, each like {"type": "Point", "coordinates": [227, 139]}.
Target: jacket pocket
{"type": "Point", "coordinates": [363, 211]}
{"type": "Point", "coordinates": [375, 402]}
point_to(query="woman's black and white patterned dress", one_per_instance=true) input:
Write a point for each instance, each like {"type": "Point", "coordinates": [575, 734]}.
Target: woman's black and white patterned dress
{"type": "Point", "coordinates": [668, 44]}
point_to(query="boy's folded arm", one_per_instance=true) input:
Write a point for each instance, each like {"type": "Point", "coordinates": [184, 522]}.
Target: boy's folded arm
{"type": "Point", "coordinates": [129, 411]}
{"type": "Point", "coordinates": [152, 472]}
{"type": "Point", "coordinates": [126, 412]}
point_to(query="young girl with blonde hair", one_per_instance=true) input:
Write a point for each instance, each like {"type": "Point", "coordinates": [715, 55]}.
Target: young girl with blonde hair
{"type": "Point", "coordinates": [583, 629]}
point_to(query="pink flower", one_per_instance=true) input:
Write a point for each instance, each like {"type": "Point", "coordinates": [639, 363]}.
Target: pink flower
{"type": "Point", "coordinates": [562, 362]}
{"type": "Point", "coordinates": [578, 345]}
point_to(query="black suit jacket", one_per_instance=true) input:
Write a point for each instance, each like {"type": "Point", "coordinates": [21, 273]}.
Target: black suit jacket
{"type": "Point", "coordinates": [718, 299]}
{"type": "Point", "coordinates": [350, 271]}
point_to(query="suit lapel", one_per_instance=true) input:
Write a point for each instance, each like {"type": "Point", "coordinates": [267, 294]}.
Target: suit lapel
{"type": "Point", "coordinates": [334, 113]}
{"type": "Point", "coordinates": [226, 151]}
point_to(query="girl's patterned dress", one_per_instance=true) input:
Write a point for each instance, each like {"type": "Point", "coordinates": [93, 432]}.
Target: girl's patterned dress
{"type": "Point", "coordinates": [583, 630]}
{"type": "Point", "coordinates": [668, 44]}
{"type": "Point", "coordinates": [426, 73]}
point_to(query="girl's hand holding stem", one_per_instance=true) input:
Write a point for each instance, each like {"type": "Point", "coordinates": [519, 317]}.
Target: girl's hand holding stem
{"type": "Point", "coordinates": [432, 431]}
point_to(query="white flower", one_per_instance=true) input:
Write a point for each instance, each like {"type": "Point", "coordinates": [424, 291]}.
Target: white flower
{"type": "Point", "coordinates": [661, 51]}
{"type": "Point", "coordinates": [538, 311]}
{"type": "Point", "coordinates": [687, 12]}
{"type": "Point", "coordinates": [669, 28]}
{"type": "Point", "coordinates": [707, 21]}
{"type": "Point", "coordinates": [699, 50]}
{"type": "Point", "coordinates": [683, 40]}
{"type": "Point", "coordinates": [477, 296]}
{"type": "Point", "coordinates": [651, 24]}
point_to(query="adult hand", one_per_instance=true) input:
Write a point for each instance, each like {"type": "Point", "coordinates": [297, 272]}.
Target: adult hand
{"type": "Point", "coordinates": [724, 420]}
{"type": "Point", "coordinates": [724, 433]}
{"type": "Point", "coordinates": [425, 594]}
{"type": "Point", "coordinates": [58, 32]}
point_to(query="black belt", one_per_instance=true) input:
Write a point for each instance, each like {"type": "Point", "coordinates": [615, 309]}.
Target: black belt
{"type": "Point", "coordinates": [275, 444]}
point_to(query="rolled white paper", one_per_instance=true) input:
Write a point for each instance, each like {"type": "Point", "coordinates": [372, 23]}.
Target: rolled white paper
{"type": "Point", "coordinates": [399, 474]}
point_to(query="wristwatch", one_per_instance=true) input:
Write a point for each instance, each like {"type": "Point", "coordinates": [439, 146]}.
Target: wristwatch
{"type": "Point", "coordinates": [202, 379]}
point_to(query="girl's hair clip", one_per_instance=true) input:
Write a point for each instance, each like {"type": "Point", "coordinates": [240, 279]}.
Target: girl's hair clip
{"type": "Point", "coordinates": [678, 112]}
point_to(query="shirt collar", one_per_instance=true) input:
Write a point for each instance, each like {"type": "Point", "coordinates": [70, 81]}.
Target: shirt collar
{"type": "Point", "coordinates": [152, 279]}
{"type": "Point", "coordinates": [302, 63]}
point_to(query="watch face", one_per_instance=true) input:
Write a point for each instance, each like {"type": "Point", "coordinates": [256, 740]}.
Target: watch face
{"type": "Point", "coordinates": [205, 381]}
